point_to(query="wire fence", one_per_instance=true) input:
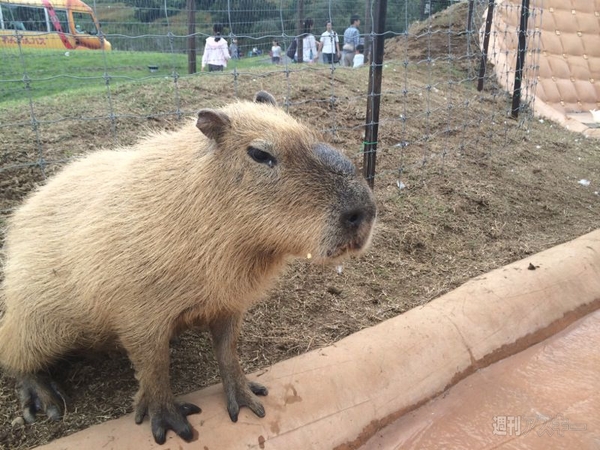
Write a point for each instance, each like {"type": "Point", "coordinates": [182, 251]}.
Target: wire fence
{"type": "Point", "coordinates": [57, 104]}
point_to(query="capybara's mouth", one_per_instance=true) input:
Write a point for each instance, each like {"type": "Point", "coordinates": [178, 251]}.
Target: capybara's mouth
{"type": "Point", "coordinates": [348, 249]}
{"type": "Point", "coordinates": [355, 246]}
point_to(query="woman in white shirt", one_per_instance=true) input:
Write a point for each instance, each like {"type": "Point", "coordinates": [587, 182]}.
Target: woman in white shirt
{"type": "Point", "coordinates": [309, 44]}
{"type": "Point", "coordinates": [216, 53]}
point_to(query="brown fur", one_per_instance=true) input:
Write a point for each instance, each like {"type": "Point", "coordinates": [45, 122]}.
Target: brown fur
{"type": "Point", "coordinates": [183, 229]}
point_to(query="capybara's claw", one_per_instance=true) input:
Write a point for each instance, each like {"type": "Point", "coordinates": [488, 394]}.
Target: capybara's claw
{"type": "Point", "coordinates": [189, 408]}
{"type": "Point", "coordinates": [246, 396]}
{"type": "Point", "coordinates": [38, 393]}
{"type": "Point", "coordinates": [233, 409]}
{"type": "Point", "coordinates": [140, 413]}
{"type": "Point", "coordinates": [258, 389]}
{"type": "Point", "coordinates": [169, 418]}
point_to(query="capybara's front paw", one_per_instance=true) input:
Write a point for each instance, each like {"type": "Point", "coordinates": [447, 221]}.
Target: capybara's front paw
{"type": "Point", "coordinates": [38, 393]}
{"type": "Point", "coordinates": [169, 417]}
{"type": "Point", "coordinates": [245, 395]}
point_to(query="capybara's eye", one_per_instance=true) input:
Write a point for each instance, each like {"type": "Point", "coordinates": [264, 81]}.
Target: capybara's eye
{"type": "Point", "coordinates": [261, 157]}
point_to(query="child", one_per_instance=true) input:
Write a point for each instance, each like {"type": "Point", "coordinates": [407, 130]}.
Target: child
{"type": "Point", "coordinates": [359, 57]}
{"type": "Point", "coordinates": [275, 53]}
{"type": "Point", "coordinates": [233, 49]}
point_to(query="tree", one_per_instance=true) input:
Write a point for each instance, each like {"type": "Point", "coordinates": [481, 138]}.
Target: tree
{"type": "Point", "coordinates": [246, 17]}
{"type": "Point", "coordinates": [150, 10]}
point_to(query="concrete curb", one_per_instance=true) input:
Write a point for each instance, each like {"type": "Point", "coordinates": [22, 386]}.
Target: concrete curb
{"type": "Point", "coordinates": [339, 396]}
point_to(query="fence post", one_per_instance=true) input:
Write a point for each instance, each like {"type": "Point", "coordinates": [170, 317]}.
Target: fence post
{"type": "Point", "coordinates": [486, 43]}
{"type": "Point", "coordinates": [374, 97]}
{"type": "Point", "coordinates": [191, 8]}
{"type": "Point", "coordinates": [300, 38]}
{"type": "Point", "coordinates": [368, 27]}
{"type": "Point", "coordinates": [470, 16]}
{"type": "Point", "coordinates": [516, 100]}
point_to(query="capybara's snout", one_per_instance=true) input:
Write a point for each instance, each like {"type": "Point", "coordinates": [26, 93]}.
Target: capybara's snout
{"type": "Point", "coordinates": [352, 210]}
{"type": "Point", "coordinates": [353, 222]}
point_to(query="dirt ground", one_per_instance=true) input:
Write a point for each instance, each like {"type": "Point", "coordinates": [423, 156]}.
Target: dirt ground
{"type": "Point", "coordinates": [479, 191]}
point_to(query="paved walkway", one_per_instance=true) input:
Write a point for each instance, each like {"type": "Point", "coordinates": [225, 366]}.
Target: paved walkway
{"type": "Point", "coordinates": [546, 397]}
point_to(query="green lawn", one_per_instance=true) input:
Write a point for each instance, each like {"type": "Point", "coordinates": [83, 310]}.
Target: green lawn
{"type": "Point", "coordinates": [39, 73]}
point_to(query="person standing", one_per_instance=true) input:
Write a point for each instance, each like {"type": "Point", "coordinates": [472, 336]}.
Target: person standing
{"type": "Point", "coordinates": [351, 41]}
{"type": "Point", "coordinates": [233, 49]}
{"type": "Point", "coordinates": [329, 45]}
{"type": "Point", "coordinates": [275, 53]}
{"type": "Point", "coordinates": [216, 53]}
{"type": "Point", "coordinates": [309, 44]}
{"type": "Point", "coordinates": [359, 57]}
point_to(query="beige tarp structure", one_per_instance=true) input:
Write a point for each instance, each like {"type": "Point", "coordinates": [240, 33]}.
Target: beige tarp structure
{"type": "Point", "coordinates": [564, 41]}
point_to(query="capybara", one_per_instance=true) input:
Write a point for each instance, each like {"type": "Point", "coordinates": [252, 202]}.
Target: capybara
{"type": "Point", "coordinates": [184, 229]}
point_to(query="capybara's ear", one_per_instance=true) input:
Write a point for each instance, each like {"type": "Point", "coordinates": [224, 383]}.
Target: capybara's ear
{"type": "Point", "coordinates": [212, 123]}
{"type": "Point", "coordinates": [265, 97]}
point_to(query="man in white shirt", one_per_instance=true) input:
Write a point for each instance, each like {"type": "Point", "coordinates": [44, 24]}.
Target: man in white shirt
{"type": "Point", "coordinates": [329, 45]}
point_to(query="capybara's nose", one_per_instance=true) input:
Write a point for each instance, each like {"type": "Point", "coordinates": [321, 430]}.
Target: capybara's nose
{"type": "Point", "coordinates": [352, 219]}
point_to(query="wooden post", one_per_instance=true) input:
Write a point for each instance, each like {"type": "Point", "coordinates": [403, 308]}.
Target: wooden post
{"type": "Point", "coordinates": [191, 42]}
{"type": "Point", "coordinates": [521, 53]}
{"type": "Point", "coordinates": [470, 16]}
{"type": "Point", "coordinates": [300, 47]}
{"type": "Point", "coordinates": [486, 44]}
{"type": "Point", "coordinates": [374, 99]}
{"type": "Point", "coordinates": [367, 30]}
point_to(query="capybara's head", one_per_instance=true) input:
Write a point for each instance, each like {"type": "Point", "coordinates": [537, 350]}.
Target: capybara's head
{"type": "Point", "coordinates": [291, 193]}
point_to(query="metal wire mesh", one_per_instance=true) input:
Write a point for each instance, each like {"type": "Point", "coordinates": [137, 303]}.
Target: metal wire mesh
{"type": "Point", "coordinates": [423, 122]}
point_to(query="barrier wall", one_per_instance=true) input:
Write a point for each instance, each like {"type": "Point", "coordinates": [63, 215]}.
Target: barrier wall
{"type": "Point", "coordinates": [563, 45]}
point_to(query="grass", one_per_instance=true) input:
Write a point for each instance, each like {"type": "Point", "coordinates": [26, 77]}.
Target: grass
{"type": "Point", "coordinates": [45, 73]}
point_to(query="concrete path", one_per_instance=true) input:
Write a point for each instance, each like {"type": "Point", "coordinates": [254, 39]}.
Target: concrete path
{"type": "Point", "coordinates": [343, 396]}
{"type": "Point", "coordinates": [546, 397]}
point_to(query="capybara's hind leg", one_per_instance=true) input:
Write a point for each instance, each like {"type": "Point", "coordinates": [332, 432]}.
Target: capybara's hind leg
{"type": "Point", "coordinates": [38, 393]}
